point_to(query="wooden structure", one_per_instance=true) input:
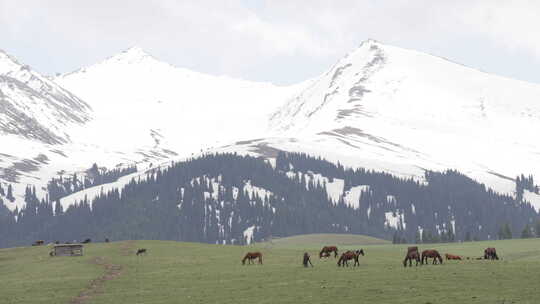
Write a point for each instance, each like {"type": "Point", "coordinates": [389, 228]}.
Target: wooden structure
{"type": "Point", "coordinates": [67, 250]}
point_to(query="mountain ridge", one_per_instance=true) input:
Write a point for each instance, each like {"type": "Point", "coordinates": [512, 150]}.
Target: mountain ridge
{"type": "Point", "coordinates": [368, 110]}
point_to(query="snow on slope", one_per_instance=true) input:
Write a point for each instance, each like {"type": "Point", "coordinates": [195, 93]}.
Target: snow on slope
{"type": "Point", "coordinates": [142, 111]}
{"type": "Point", "coordinates": [353, 195]}
{"type": "Point", "coordinates": [403, 111]}
{"type": "Point", "coordinates": [36, 120]}
{"type": "Point", "coordinates": [532, 198]}
{"type": "Point", "coordinates": [380, 107]}
{"type": "Point", "coordinates": [34, 107]}
{"type": "Point", "coordinates": [135, 95]}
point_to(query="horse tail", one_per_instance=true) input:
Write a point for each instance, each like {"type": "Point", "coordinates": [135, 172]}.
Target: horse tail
{"type": "Point", "coordinates": [405, 261]}
{"type": "Point", "coordinates": [335, 253]}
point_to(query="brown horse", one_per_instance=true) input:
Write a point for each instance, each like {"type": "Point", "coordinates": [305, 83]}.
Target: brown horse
{"type": "Point", "coordinates": [250, 256]}
{"type": "Point", "coordinates": [38, 243]}
{"type": "Point", "coordinates": [326, 250]}
{"type": "Point", "coordinates": [431, 254]}
{"type": "Point", "coordinates": [412, 254]}
{"type": "Point", "coordinates": [452, 257]}
{"type": "Point", "coordinates": [350, 255]}
{"type": "Point", "coordinates": [490, 254]}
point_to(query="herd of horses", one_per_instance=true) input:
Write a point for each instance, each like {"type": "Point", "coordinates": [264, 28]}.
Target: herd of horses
{"type": "Point", "coordinates": [413, 254]}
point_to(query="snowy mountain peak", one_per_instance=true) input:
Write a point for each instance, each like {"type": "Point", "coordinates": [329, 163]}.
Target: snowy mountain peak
{"type": "Point", "coordinates": [8, 64]}
{"type": "Point", "coordinates": [134, 54]}
{"type": "Point", "coordinates": [34, 107]}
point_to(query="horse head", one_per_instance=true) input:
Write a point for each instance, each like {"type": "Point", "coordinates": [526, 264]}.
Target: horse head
{"type": "Point", "coordinates": [361, 251]}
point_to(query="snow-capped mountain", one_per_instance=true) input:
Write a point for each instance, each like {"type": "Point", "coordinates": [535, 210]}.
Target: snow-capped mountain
{"type": "Point", "coordinates": [404, 111]}
{"type": "Point", "coordinates": [380, 107]}
{"type": "Point", "coordinates": [35, 107]}
{"type": "Point", "coordinates": [137, 97]}
{"type": "Point", "coordinates": [136, 110]}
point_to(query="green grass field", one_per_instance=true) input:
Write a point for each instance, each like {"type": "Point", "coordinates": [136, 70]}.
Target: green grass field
{"type": "Point", "coordinates": [174, 272]}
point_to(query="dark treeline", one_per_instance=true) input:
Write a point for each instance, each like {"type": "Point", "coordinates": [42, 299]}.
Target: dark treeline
{"type": "Point", "coordinates": [211, 199]}
{"type": "Point", "coordinates": [95, 176]}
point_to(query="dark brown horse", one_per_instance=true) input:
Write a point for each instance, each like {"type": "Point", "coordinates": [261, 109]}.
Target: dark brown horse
{"type": "Point", "coordinates": [38, 243]}
{"type": "Point", "coordinates": [350, 255]}
{"type": "Point", "coordinates": [250, 256]}
{"type": "Point", "coordinates": [412, 254]}
{"type": "Point", "coordinates": [452, 257]}
{"type": "Point", "coordinates": [141, 251]}
{"type": "Point", "coordinates": [490, 254]}
{"type": "Point", "coordinates": [431, 254]}
{"type": "Point", "coordinates": [327, 250]}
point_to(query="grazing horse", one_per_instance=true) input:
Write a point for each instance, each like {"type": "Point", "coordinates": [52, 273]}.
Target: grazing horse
{"type": "Point", "coordinates": [350, 255]}
{"type": "Point", "coordinates": [431, 254]}
{"type": "Point", "coordinates": [141, 251]}
{"type": "Point", "coordinates": [250, 256]}
{"type": "Point", "coordinates": [412, 254]}
{"type": "Point", "coordinates": [452, 257]}
{"type": "Point", "coordinates": [86, 241]}
{"type": "Point", "coordinates": [326, 250]}
{"type": "Point", "coordinates": [306, 261]}
{"type": "Point", "coordinates": [38, 243]}
{"type": "Point", "coordinates": [490, 254]}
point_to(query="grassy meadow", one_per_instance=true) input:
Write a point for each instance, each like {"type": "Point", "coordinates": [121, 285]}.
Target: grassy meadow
{"type": "Point", "coordinates": [175, 272]}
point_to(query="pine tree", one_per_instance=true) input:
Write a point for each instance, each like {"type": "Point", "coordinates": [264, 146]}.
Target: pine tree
{"type": "Point", "coordinates": [417, 238]}
{"type": "Point", "coordinates": [10, 193]}
{"type": "Point", "coordinates": [526, 233]}
{"type": "Point", "coordinates": [450, 235]}
{"type": "Point", "coordinates": [58, 209]}
{"type": "Point", "coordinates": [467, 236]}
{"type": "Point", "coordinates": [500, 233]}
{"type": "Point", "coordinates": [507, 231]}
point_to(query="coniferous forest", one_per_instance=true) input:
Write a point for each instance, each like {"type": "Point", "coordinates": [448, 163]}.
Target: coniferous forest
{"type": "Point", "coordinates": [234, 199]}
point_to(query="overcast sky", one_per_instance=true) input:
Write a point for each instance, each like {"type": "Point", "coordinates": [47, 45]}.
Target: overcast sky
{"type": "Point", "coordinates": [278, 41]}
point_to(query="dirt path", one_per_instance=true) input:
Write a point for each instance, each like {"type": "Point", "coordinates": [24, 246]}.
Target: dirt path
{"type": "Point", "coordinates": [112, 271]}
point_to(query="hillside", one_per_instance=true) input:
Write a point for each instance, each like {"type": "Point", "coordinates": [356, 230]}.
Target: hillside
{"type": "Point", "coordinates": [234, 199]}
{"type": "Point", "coordinates": [402, 111]}
{"type": "Point", "coordinates": [175, 272]}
